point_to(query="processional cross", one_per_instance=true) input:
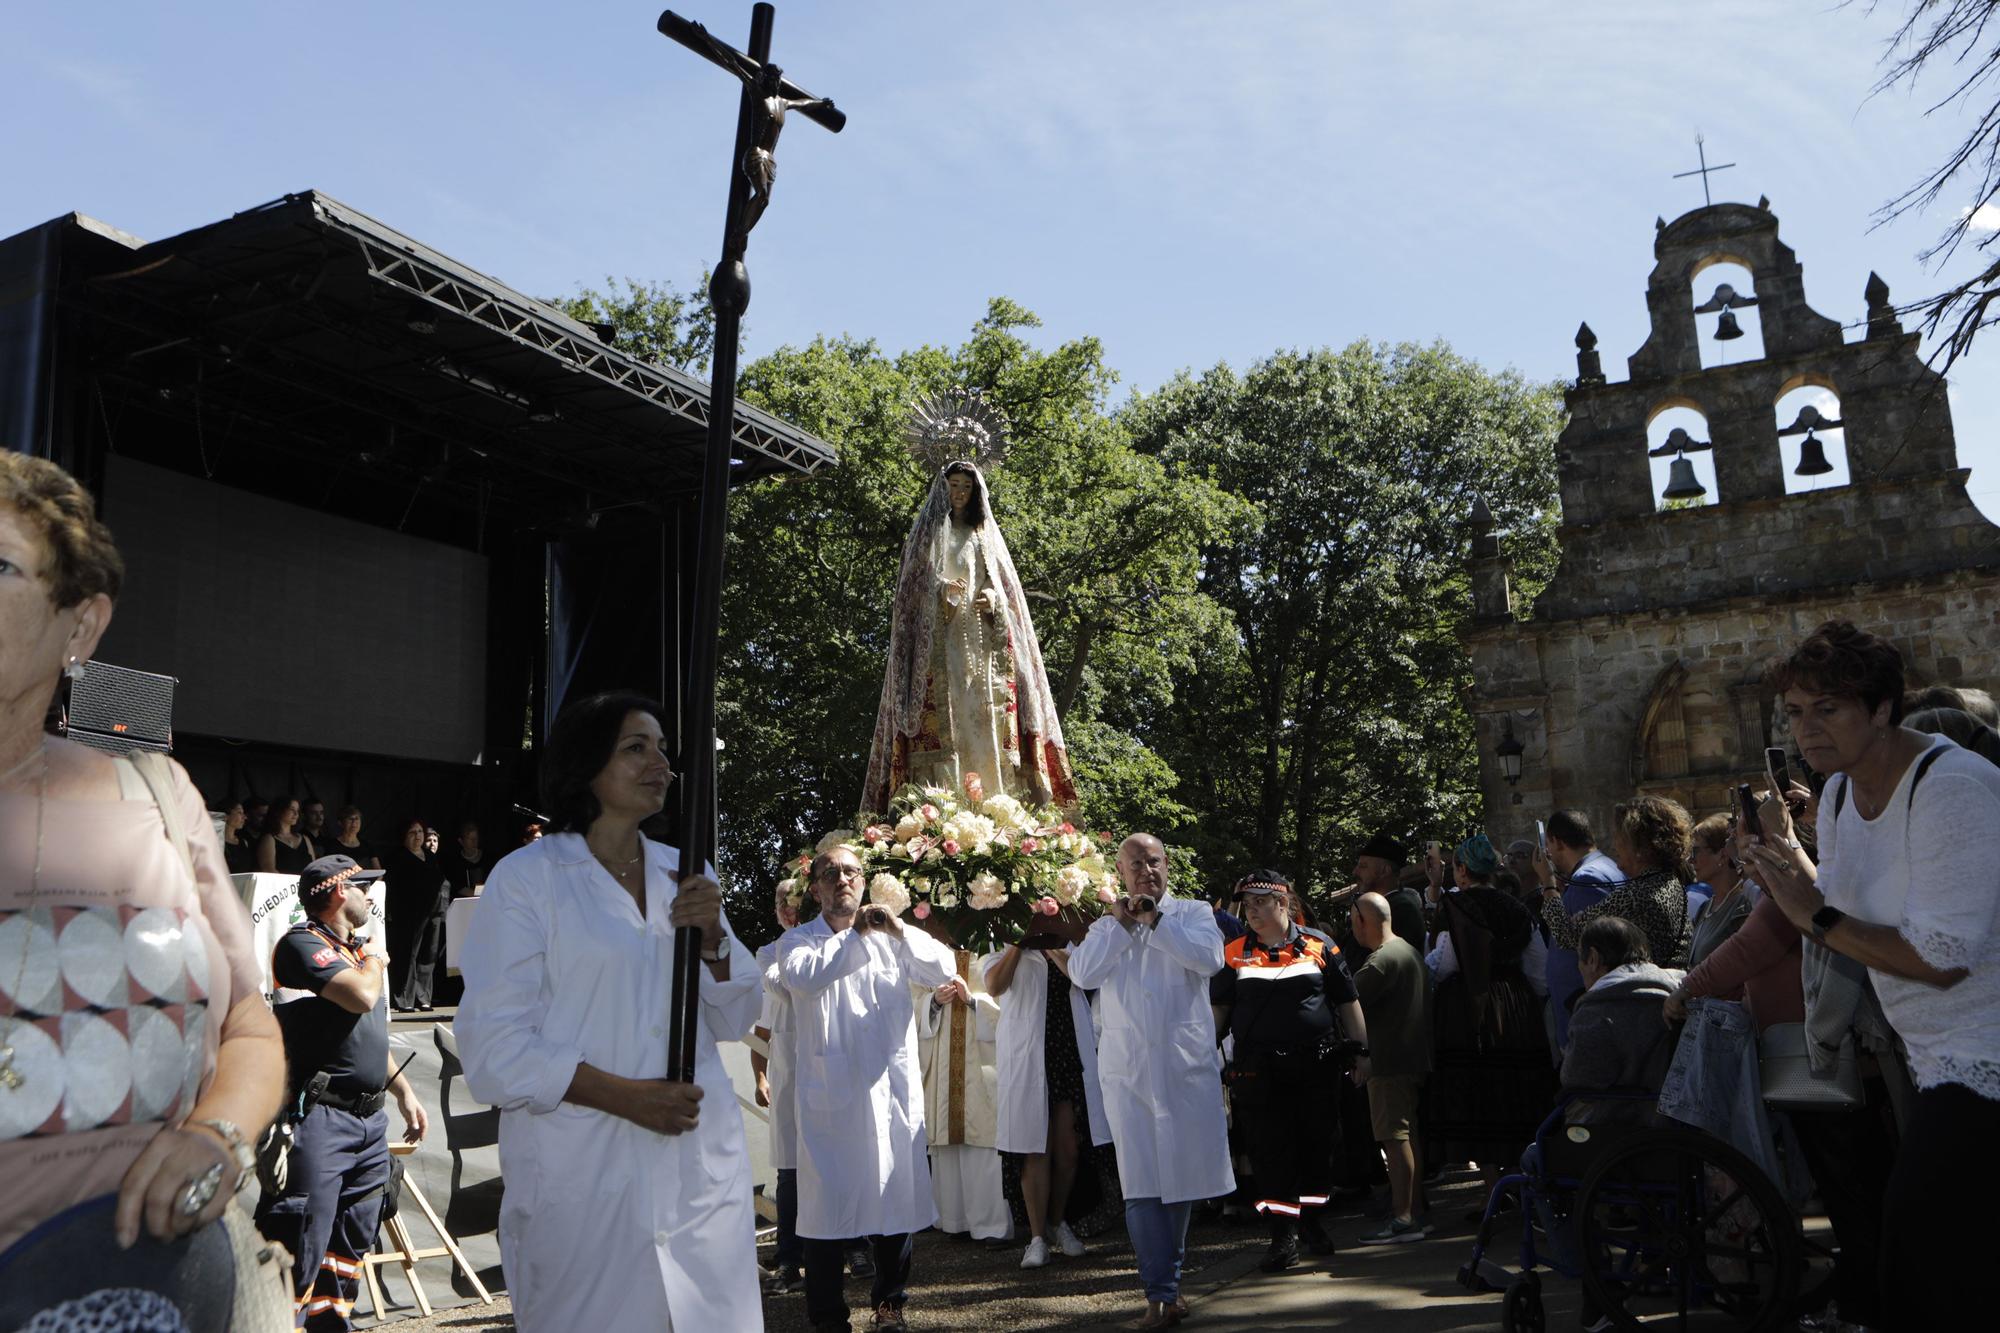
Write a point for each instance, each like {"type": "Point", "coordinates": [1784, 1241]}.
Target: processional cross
{"type": "Point", "coordinates": [1703, 170]}
{"type": "Point", "coordinates": [767, 96]}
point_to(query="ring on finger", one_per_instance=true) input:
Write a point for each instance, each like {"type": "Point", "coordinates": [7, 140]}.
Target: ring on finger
{"type": "Point", "coordinates": [200, 1191]}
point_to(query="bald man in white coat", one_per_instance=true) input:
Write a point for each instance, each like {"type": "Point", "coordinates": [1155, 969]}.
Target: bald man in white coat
{"type": "Point", "coordinates": [1149, 958]}
{"type": "Point", "coordinates": [864, 1166]}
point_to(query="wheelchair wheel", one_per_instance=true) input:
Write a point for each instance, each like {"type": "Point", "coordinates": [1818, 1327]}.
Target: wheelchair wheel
{"type": "Point", "coordinates": [1521, 1309]}
{"type": "Point", "coordinates": [1680, 1231]}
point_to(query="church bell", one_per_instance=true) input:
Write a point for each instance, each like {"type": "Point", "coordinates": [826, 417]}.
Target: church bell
{"type": "Point", "coordinates": [1812, 458]}
{"type": "Point", "coordinates": [1682, 484]}
{"type": "Point", "coordinates": [1726, 328]}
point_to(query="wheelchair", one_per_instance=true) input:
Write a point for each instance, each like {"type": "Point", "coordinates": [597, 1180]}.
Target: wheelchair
{"type": "Point", "coordinates": [1666, 1227]}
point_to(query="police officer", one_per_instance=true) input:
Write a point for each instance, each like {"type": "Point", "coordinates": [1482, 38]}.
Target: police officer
{"type": "Point", "coordinates": [1290, 1004]}
{"type": "Point", "coordinates": [337, 1044]}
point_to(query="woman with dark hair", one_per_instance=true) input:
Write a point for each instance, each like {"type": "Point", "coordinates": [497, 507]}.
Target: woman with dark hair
{"type": "Point", "coordinates": [1652, 838]}
{"type": "Point", "coordinates": [1723, 902]}
{"type": "Point", "coordinates": [237, 852]}
{"type": "Point", "coordinates": [417, 892]}
{"type": "Point", "coordinates": [1494, 1080]}
{"type": "Point", "coordinates": [346, 839]}
{"type": "Point", "coordinates": [628, 1204]}
{"type": "Point", "coordinates": [1904, 883]}
{"type": "Point", "coordinates": [283, 850]}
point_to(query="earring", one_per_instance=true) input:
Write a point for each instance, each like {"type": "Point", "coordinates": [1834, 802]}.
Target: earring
{"type": "Point", "coordinates": [75, 669]}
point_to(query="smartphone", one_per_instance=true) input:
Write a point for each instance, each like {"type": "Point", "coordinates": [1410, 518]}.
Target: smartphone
{"type": "Point", "coordinates": [1541, 837]}
{"type": "Point", "coordinates": [1747, 800]}
{"type": "Point", "coordinates": [1780, 770]}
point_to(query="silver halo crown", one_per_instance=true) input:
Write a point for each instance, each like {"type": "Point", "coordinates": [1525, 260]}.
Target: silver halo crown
{"type": "Point", "coordinates": [956, 426]}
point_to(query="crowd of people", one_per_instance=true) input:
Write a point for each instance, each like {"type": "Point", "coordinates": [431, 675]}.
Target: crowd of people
{"type": "Point", "coordinates": [1813, 977]}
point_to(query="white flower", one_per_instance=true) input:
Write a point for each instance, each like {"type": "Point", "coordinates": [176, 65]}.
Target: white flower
{"type": "Point", "coordinates": [945, 898]}
{"type": "Point", "coordinates": [885, 890]}
{"type": "Point", "coordinates": [973, 833]}
{"type": "Point", "coordinates": [934, 854]}
{"type": "Point", "coordinates": [1072, 882]}
{"type": "Point", "coordinates": [938, 795]}
{"type": "Point", "coordinates": [984, 892]}
{"type": "Point", "coordinates": [909, 827]}
{"type": "Point", "coordinates": [837, 838]}
{"type": "Point", "coordinates": [1007, 812]}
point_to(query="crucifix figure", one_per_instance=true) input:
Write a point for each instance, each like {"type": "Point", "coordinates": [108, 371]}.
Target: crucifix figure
{"type": "Point", "coordinates": [1703, 170]}
{"type": "Point", "coordinates": [767, 96]}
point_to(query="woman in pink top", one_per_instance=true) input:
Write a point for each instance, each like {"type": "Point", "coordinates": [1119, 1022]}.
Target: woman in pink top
{"type": "Point", "coordinates": [137, 1054]}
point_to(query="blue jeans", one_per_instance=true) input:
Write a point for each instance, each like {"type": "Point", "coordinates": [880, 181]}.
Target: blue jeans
{"type": "Point", "coordinates": [1159, 1237]}
{"type": "Point", "coordinates": [791, 1251]}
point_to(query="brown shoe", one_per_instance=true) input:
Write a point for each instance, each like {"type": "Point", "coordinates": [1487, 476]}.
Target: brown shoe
{"type": "Point", "coordinates": [1156, 1316]}
{"type": "Point", "coordinates": [889, 1316]}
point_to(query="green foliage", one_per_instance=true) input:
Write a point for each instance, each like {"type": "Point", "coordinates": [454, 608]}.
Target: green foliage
{"type": "Point", "coordinates": [651, 321]}
{"type": "Point", "coordinates": [1336, 706]}
{"type": "Point", "coordinates": [1108, 542]}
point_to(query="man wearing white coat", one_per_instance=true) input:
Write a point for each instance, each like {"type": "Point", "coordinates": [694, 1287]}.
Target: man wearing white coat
{"type": "Point", "coordinates": [628, 1205]}
{"type": "Point", "coordinates": [1149, 958]}
{"type": "Point", "coordinates": [863, 1159]}
{"type": "Point", "coordinates": [775, 1094]}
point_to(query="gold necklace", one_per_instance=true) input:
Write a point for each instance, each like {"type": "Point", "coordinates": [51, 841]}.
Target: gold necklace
{"type": "Point", "coordinates": [11, 1078]}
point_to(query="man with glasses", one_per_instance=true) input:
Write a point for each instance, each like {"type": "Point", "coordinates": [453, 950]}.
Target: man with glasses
{"type": "Point", "coordinates": [863, 1159]}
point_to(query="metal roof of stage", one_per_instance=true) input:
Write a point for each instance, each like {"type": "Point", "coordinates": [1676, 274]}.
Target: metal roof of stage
{"type": "Point", "coordinates": [306, 326]}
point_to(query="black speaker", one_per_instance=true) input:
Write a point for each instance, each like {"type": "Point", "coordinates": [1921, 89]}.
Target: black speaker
{"type": "Point", "coordinates": [118, 710]}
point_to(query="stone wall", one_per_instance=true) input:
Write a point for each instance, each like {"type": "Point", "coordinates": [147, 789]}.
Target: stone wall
{"type": "Point", "coordinates": [1577, 691]}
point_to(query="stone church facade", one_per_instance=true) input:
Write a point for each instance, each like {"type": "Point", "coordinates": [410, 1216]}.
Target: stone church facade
{"type": "Point", "coordinates": [1640, 666]}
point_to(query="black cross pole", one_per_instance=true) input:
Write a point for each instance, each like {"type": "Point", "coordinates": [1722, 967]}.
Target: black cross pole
{"type": "Point", "coordinates": [767, 96]}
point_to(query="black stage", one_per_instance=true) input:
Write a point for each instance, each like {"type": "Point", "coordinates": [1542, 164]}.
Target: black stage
{"type": "Point", "coordinates": [382, 513]}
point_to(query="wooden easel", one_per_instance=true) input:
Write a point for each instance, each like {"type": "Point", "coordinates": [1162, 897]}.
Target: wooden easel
{"type": "Point", "coordinates": [395, 1246]}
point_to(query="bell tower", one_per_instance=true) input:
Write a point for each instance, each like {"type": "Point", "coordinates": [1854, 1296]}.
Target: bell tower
{"type": "Point", "coordinates": [1831, 489]}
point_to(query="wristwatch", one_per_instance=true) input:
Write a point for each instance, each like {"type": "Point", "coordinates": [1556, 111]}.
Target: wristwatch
{"type": "Point", "coordinates": [721, 951]}
{"type": "Point", "coordinates": [1825, 919]}
{"type": "Point", "coordinates": [245, 1155]}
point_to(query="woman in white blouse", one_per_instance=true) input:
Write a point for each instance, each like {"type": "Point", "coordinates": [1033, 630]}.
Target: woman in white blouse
{"type": "Point", "coordinates": [1908, 882]}
{"type": "Point", "coordinates": [628, 1197]}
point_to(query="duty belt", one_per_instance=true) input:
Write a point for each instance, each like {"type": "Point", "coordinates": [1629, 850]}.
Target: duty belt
{"type": "Point", "coordinates": [363, 1104]}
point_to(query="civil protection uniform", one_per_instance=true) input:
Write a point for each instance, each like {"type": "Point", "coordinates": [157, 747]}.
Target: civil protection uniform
{"type": "Point", "coordinates": [339, 1161]}
{"type": "Point", "coordinates": [864, 1166]}
{"type": "Point", "coordinates": [607, 1227]}
{"type": "Point", "coordinates": [1284, 1077]}
{"type": "Point", "coordinates": [1161, 1073]}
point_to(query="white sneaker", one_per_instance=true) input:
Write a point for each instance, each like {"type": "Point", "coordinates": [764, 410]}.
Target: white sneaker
{"type": "Point", "coordinates": [1066, 1240]}
{"type": "Point", "coordinates": [1037, 1255]}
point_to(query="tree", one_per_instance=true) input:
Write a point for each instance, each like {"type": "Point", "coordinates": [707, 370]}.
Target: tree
{"type": "Point", "coordinates": [1955, 33]}
{"type": "Point", "coordinates": [1108, 542]}
{"type": "Point", "coordinates": [1336, 704]}
{"type": "Point", "coordinates": [651, 321]}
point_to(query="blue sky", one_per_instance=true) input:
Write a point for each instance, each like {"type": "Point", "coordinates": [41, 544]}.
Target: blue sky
{"type": "Point", "coordinates": [1192, 183]}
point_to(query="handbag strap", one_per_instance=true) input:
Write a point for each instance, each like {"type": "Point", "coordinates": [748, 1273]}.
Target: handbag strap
{"type": "Point", "coordinates": [156, 784]}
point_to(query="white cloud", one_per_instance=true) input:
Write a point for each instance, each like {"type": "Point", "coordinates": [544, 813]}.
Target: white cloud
{"type": "Point", "coordinates": [1986, 217]}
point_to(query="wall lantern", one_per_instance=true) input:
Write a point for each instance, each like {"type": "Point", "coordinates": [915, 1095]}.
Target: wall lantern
{"type": "Point", "coordinates": [1509, 749]}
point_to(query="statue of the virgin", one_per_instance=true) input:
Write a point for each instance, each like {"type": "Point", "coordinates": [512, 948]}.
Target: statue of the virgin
{"type": "Point", "coordinates": [965, 690]}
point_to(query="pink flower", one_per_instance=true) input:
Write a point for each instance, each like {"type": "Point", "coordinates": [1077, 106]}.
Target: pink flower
{"type": "Point", "coordinates": [1105, 895]}
{"type": "Point", "coordinates": [1048, 907]}
{"type": "Point", "coordinates": [975, 789]}
{"type": "Point", "coordinates": [1030, 845]}
{"type": "Point", "coordinates": [930, 813]}
{"type": "Point", "coordinates": [950, 847]}
{"type": "Point", "coordinates": [1068, 827]}
{"type": "Point", "coordinates": [921, 911]}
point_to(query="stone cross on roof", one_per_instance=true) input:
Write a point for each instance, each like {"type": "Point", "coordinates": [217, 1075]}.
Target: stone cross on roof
{"type": "Point", "coordinates": [1703, 170]}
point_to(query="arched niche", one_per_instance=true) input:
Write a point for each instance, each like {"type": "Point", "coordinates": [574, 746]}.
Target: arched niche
{"type": "Point", "coordinates": [1722, 282]}
{"type": "Point", "coordinates": [1661, 748]}
{"type": "Point", "coordinates": [1815, 392]}
{"type": "Point", "coordinates": [1685, 415]}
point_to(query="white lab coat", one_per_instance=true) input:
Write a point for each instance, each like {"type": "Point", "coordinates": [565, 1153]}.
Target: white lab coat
{"type": "Point", "coordinates": [1024, 1089]}
{"type": "Point", "coordinates": [606, 1226]}
{"type": "Point", "coordinates": [780, 1067]}
{"type": "Point", "coordinates": [864, 1166]}
{"type": "Point", "coordinates": [1156, 1054]}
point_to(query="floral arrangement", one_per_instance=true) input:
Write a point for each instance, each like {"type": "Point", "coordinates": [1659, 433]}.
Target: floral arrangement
{"type": "Point", "coordinates": [989, 865]}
